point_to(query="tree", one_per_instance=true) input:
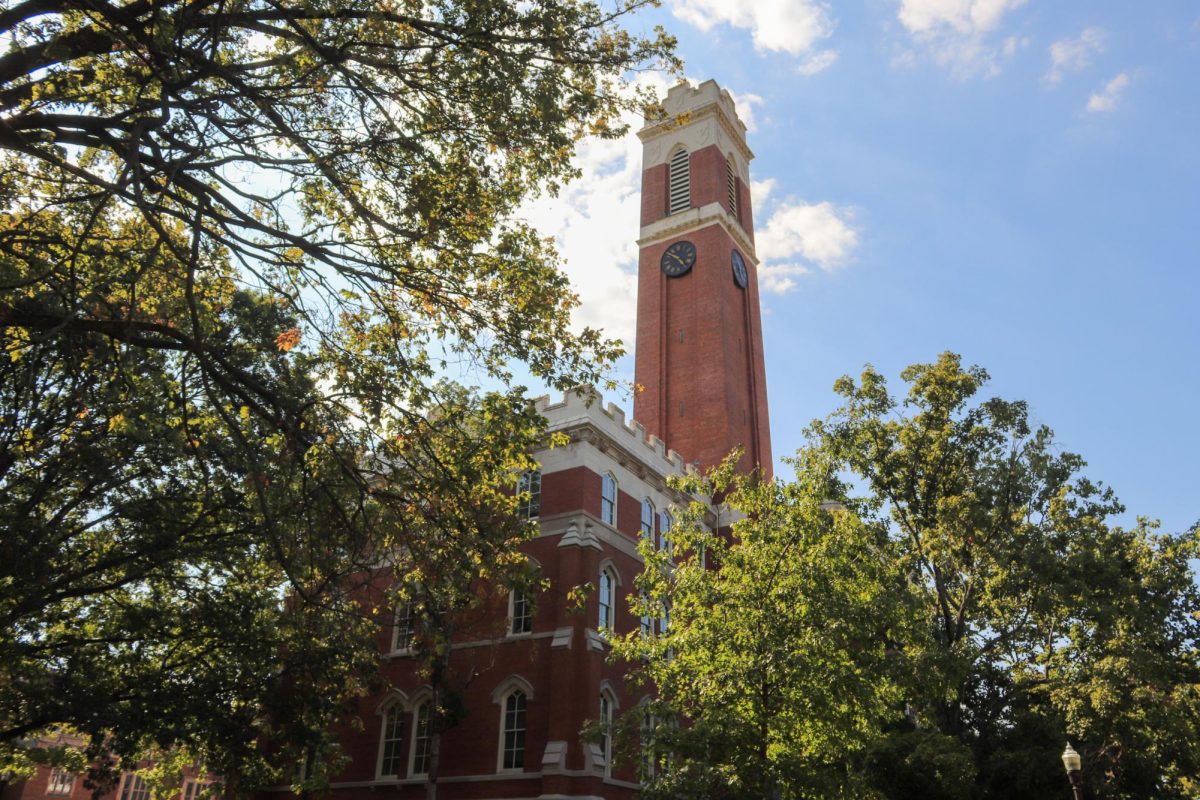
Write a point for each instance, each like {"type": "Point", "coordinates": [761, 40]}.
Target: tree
{"type": "Point", "coordinates": [773, 671]}
{"type": "Point", "coordinates": [1044, 621]}
{"type": "Point", "coordinates": [238, 243]}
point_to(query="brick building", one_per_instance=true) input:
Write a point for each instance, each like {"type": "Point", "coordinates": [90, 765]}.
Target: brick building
{"type": "Point", "coordinates": [536, 680]}
{"type": "Point", "coordinates": [534, 674]}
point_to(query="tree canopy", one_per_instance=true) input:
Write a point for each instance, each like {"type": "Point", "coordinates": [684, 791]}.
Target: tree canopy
{"type": "Point", "coordinates": [1045, 621]}
{"type": "Point", "coordinates": [239, 243]}
{"type": "Point", "coordinates": [933, 608]}
{"type": "Point", "coordinates": [768, 660]}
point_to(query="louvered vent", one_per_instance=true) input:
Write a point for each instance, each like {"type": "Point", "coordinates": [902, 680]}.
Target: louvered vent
{"type": "Point", "coordinates": [680, 198]}
{"type": "Point", "coordinates": [732, 182]}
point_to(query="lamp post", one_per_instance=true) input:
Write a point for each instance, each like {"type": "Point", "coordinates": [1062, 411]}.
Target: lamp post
{"type": "Point", "coordinates": [1074, 765]}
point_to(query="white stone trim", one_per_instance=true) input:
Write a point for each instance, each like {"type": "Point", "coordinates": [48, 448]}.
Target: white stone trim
{"type": "Point", "coordinates": [696, 116]}
{"type": "Point", "coordinates": [508, 685]}
{"type": "Point", "coordinates": [554, 758]}
{"type": "Point", "coordinates": [694, 219]}
{"type": "Point", "coordinates": [562, 638]}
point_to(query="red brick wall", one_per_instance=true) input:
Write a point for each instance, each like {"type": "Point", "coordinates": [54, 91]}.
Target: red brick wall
{"type": "Point", "coordinates": [570, 490]}
{"type": "Point", "coordinates": [708, 177]}
{"type": "Point", "coordinates": [566, 681]}
{"type": "Point", "coordinates": [716, 372]}
{"type": "Point", "coordinates": [654, 194]}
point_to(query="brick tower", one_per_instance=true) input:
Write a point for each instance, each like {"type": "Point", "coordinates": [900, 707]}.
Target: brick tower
{"type": "Point", "coordinates": [699, 354]}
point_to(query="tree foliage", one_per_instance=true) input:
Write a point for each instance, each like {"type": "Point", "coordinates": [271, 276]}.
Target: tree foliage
{"type": "Point", "coordinates": [773, 669]}
{"type": "Point", "coordinates": [238, 243]}
{"type": "Point", "coordinates": [1045, 622]}
{"type": "Point", "coordinates": [932, 609]}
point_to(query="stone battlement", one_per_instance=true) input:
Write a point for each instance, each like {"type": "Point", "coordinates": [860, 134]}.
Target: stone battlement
{"type": "Point", "coordinates": [586, 406]}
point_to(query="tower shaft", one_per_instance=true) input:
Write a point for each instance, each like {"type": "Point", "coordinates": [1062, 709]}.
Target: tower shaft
{"type": "Point", "coordinates": [699, 357]}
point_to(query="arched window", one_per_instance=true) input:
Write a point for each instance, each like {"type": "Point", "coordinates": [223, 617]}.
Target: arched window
{"type": "Point", "coordinates": [607, 596]}
{"type": "Point", "coordinates": [529, 491]}
{"type": "Point", "coordinates": [420, 745]}
{"type": "Point", "coordinates": [649, 757]}
{"type": "Point", "coordinates": [679, 188]}
{"type": "Point", "coordinates": [665, 521]}
{"type": "Point", "coordinates": [520, 612]}
{"type": "Point", "coordinates": [607, 703]}
{"type": "Point", "coordinates": [647, 520]}
{"type": "Point", "coordinates": [512, 732]}
{"type": "Point", "coordinates": [391, 756]}
{"type": "Point", "coordinates": [608, 499]}
{"type": "Point", "coordinates": [731, 183]}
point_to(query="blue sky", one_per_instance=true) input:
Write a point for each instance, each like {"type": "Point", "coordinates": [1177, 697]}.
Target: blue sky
{"type": "Point", "coordinates": [1016, 181]}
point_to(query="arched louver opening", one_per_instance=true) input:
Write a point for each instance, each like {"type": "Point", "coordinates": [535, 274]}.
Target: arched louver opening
{"type": "Point", "coordinates": [680, 194]}
{"type": "Point", "coordinates": [732, 184]}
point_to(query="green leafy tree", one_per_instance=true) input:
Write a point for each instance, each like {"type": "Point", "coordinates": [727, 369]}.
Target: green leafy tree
{"type": "Point", "coordinates": [773, 671]}
{"type": "Point", "coordinates": [1044, 622]}
{"type": "Point", "coordinates": [238, 243]}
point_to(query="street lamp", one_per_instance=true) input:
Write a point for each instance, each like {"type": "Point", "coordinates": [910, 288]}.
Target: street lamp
{"type": "Point", "coordinates": [1074, 765]}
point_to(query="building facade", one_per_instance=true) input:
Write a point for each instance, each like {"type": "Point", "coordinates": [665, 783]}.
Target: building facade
{"type": "Point", "coordinates": [533, 681]}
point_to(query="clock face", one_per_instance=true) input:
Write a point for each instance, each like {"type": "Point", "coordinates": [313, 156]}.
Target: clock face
{"type": "Point", "coordinates": [739, 270]}
{"type": "Point", "coordinates": [678, 259]}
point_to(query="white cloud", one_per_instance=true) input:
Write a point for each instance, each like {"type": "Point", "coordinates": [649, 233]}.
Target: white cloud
{"type": "Point", "coordinates": [594, 222]}
{"type": "Point", "coordinates": [1109, 96]}
{"type": "Point", "coordinates": [801, 234]}
{"type": "Point", "coordinates": [1072, 55]}
{"type": "Point", "coordinates": [779, 278]}
{"type": "Point", "coordinates": [817, 62]}
{"type": "Point", "coordinates": [795, 27]}
{"type": "Point", "coordinates": [745, 104]}
{"type": "Point", "coordinates": [759, 192]}
{"type": "Point", "coordinates": [958, 33]}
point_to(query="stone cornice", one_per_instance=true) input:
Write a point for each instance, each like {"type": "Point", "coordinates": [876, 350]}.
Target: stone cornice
{"type": "Point", "coordinates": [693, 219]}
{"type": "Point", "coordinates": [664, 126]}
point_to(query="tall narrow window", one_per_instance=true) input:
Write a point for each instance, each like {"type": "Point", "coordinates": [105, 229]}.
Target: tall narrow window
{"type": "Point", "coordinates": [61, 782]}
{"type": "Point", "coordinates": [649, 724]}
{"type": "Point", "coordinates": [390, 754]}
{"type": "Point", "coordinates": [529, 489]}
{"type": "Point", "coordinates": [520, 612]}
{"type": "Point", "coordinates": [647, 621]}
{"type": "Point", "coordinates": [665, 521]}
{"type": "Point", "coordinates": [135, 788]}
{"type": "Point", "coordinates": [607, 594]}
{"type": "Point", "coordinates": [647, 520]}
{"type": "Point", "coordinates": [731, 182]}
{"type": "Point", "coordinates": [420, 746]}
{"type": "Point", "coordinates": [513, 738]}
{"type": "Point", "coordinates": [679, 182]}
{"type": "Point", "coordinates": [606, 712]}
{"type": "Point", "coordinates": [608, 499]}
{"type": "Point", "coordinates": [405, 627]}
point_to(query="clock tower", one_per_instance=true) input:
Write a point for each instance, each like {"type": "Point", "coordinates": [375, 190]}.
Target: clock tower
{"type": "Point", "coordinates": [699, 358]}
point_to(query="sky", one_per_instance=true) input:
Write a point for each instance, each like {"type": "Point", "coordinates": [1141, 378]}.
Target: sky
{"type": "Point", "coordinates": [1017, 181]}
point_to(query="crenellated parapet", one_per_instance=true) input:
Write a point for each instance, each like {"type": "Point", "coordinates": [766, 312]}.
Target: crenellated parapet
{"type": "Point", "coordinates": [585, 408]}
